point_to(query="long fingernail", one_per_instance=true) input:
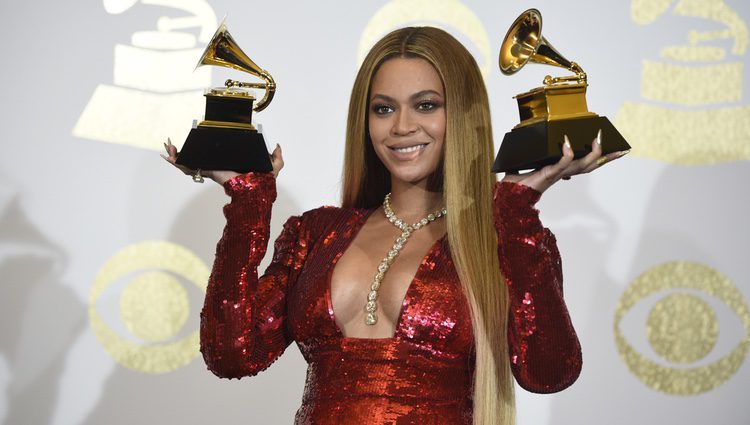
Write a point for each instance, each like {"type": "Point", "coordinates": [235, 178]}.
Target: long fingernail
{"type": "Point", "coordinates": [623, 153]}
{"type": "Point", "coordinates": [567, 142]}
{"type": "Point", "coordinates": [599, 137]}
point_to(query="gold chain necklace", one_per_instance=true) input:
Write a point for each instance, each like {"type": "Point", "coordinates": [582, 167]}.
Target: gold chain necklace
{"type": "Point", "coordinates": [406, 230]}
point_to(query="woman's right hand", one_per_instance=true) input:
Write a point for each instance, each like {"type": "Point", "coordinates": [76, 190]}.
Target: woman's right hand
{"type": "Point", "coordinates": [219, 176]}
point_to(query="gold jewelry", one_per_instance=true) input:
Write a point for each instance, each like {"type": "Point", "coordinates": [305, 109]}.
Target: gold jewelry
{"type": "Point", "coordinates": [406, 230]}
{"type": "Point", "coordinates": [197, 176]}
{"type": "Point", "coordinates": [601, 161]}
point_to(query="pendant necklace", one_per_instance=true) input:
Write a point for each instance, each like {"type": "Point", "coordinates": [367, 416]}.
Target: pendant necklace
{"type": "Point", "coordinates": [406, 230]}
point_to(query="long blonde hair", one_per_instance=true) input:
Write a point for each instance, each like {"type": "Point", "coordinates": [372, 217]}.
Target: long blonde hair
{"type": "Point", "coordinates": [467, 185]}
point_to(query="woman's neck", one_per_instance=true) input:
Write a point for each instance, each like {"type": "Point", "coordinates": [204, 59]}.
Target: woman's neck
{"type": "Point", "coordinates": [414, 202]}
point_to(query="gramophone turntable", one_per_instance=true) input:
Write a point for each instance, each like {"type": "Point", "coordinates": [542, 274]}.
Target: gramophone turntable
{"type": "Point", "coordinates": [549, 112]}
{"type": "Point", "coordinates": [227, 139]}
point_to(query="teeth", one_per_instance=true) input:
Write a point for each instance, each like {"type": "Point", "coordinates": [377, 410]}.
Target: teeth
{"type": "Point", "coordinates": [410, 148]}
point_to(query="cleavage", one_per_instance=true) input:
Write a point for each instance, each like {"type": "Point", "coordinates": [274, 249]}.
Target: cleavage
{"type": "Point", "coordinates": [353, 274]}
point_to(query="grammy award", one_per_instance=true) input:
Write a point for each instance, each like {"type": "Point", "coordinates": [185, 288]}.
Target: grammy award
{"type": "Point", "coordinates": [550, 112]}
{"type": "Point", "coordinates": [226, 139]}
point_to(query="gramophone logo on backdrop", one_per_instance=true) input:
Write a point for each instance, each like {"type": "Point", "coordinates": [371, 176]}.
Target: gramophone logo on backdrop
{"type": "Point", "coordinates": [452, 13]}
{"type": "Point", "coordinates": [698, 87]}
{"type": "Point", "coordinates": [155, 90]}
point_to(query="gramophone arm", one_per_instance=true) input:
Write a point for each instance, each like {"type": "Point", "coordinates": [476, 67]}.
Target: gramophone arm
{"type": "Point", "coordinates": [269, 85]}
{"type": "Point", "coordinates": [580, 76]}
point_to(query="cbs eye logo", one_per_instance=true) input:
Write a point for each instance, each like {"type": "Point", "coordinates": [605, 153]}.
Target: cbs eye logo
{"type": "Point", "coordinates": [682, 327]}
{"type": "Point", "coordinates": [153, 305]}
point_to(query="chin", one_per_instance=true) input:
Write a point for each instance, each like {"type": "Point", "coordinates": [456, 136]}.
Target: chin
{"type": "Point", "coordinates": [414, 177]}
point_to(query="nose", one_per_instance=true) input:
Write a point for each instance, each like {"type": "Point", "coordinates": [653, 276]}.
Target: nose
{"type": "Point", "coordinates": [404, 123]}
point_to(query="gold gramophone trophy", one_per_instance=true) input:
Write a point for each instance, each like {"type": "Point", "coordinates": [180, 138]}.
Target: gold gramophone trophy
{"type": "Point", "coordinates": [549, 112]}
{"type": "Point", "coordinates": [226, 139]}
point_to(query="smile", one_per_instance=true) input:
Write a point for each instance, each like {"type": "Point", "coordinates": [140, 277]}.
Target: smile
{"type": "Point", "coordinates": [408, 149]}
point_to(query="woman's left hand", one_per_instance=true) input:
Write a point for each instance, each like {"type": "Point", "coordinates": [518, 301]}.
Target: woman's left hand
{"type": "Point", "coordinates": [566, 167]}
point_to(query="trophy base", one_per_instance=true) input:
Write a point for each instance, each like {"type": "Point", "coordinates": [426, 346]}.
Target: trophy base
{"type": "Point", "coordinates": [537, 145]}
{"type": "Point", "coordinates": [225, 149]}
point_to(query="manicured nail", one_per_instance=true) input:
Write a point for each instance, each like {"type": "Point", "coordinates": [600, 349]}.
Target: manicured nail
{"type": "Point", "coordinates": [623, 153]}
{"type": "Point", "coordinates": [599, 137]}
{"type": "Point", "coordinates": [567, 142]}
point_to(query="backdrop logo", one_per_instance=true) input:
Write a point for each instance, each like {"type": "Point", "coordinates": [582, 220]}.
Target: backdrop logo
{"type": "Point", "coordinates": [447, 14]}
{"type": "Point", "coordinates": [155, 91]}
{"type": "Point", "coordinates": [153, 306]}
{"type": "Point", "coordinates": [682, 328]}
{"type": "Point", "coordinates": [695, 117]}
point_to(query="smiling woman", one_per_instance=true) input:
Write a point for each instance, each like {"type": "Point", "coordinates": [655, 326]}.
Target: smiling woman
{"type": "Point", "coordinates": [430, 288]}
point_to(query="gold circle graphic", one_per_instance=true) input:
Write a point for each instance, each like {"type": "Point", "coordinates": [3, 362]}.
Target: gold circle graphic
{"type": "Point", "coordinates": [153, 258]}
{"type": "Point", "coordinates": [154, 306]}
{"type": "Point", "coordinates": [682, 328]}
{"type": "Point", "coordinates": [452, 13]}
{"type": "Point", "coordinates": [690, 276]}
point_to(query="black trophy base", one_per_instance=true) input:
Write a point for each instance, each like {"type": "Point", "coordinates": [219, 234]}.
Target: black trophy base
{"type": "Point", "coordinates": [537, 145]}
{"type": "Point", "coordinates": [210, 148]}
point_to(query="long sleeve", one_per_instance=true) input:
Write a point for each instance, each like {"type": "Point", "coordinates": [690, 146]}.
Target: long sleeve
{"type": "Point", "coordinates": [242, 322]}
{"type": "Point", "coordinates": [545, 352]}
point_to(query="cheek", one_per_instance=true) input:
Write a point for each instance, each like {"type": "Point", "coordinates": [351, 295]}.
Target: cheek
{"type": "Point", "coordinates": [436, 128]}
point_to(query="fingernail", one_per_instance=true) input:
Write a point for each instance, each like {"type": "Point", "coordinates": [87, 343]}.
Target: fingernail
{"type": "Point", "coordinates": [623, 153]}
{"type": "Point", "coordinates": [567, 142]}
{"type": "Point", "coordinates": [599, 137]}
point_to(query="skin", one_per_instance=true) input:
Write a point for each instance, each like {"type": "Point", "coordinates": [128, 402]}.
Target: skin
{"type": "Point", "coordinates": [406, 109]}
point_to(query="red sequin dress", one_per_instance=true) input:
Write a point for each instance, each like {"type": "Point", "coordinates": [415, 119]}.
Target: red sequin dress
{"type": "Point", "coordinates": [423, 374]}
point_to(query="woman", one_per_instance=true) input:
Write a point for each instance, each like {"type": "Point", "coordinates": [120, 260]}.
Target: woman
{"type": "Point", "coordinates": [424, 330]}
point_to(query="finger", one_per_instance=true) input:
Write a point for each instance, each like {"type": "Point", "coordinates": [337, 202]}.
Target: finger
{"type": "Point", "coordinates": [592, 157]}
{"type": "Point", "coordinates": [171, 149]}
{"type": "Point", "coordinates": [555, 171]}
{"type": "Point", "coordinates": [605, 159]}
{"type": "Point", "coordinates": [276, 154]}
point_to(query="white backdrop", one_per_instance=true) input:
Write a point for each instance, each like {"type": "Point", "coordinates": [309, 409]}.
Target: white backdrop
{"type": "Point", "coordinates": [105, 248]}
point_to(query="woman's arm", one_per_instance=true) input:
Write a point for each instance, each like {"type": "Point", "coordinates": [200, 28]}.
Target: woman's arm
{"type": "Point", "coordinates": [545, 353]}
{"type": "Point", "coordinates": [243, 319]}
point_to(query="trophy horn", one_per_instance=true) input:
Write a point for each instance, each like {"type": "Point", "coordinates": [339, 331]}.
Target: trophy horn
{"type": "Point", "coordinates": [524, 43]}
{"type": "Point", "coordinates": [222, 50]}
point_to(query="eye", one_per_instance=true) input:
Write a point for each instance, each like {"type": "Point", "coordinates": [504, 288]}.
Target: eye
{"type": "Point", "coordinates": [688, 303]}
{"type": "Point", "coordinates": [427, 106]}
{"type": "Point", "coordinates": [154, 333]}
{"type": "Point", "coordinates": [381, 109]}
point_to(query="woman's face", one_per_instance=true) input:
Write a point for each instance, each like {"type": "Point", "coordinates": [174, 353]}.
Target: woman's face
{"type": "Point", "coordinates": [407, 118]}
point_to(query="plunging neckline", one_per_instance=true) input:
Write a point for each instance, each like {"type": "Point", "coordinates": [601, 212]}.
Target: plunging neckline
{"type": "Point", "coordinates": [329, 276]}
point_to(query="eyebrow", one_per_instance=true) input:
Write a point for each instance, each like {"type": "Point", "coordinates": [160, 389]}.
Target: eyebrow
{"type": "Point", "coordinates": [414, 96]}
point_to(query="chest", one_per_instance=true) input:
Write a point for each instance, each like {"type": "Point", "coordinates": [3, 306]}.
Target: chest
{"type": "Point", "coordinates": [353, 276]}
{"type": "Point", "coordinates": [423, 300]}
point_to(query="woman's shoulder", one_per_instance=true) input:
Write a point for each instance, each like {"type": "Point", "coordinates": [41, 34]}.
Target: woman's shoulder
{"type": "Point", "coordinates": [331, 214]}
{"type": "Point", "coordinates": [323, 219]}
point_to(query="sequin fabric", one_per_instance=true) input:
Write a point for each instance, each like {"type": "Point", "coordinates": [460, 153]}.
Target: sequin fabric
{"type": "Point", "coordinates": [421, 375]}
